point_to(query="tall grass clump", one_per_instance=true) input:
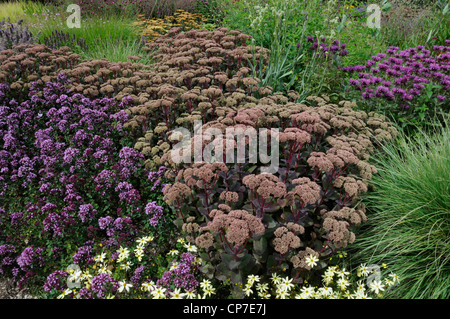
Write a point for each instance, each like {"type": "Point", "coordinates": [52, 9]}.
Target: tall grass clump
{"type": "Point", "coordinates": [109, 37]}
{"type": "Point", "coordinates": [117, 51]}
{"type": "Point", "coordinates": [12, 9]}
{"type": "Point", "coordinates": [408, 228]}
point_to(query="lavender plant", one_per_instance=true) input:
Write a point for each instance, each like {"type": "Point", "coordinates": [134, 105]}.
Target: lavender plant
{"type": "Point", "coordinates": [12, 34]}
{"type": "Point", "coordinates": [59, 38]}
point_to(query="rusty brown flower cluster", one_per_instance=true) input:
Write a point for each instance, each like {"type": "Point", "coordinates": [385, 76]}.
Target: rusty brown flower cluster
{"type": "Point", "coordinates": [325, 150]}
{"type": "Point", "coordinates": [338, 224]}
{"type": "Point", "coordinates": [265, 185]}
{"type": "Point", "coordinates": [236, 227]}
{"type": "Point", "coordinates": [286, 238]}
{"type": "Point", "coordinates": [299, 260]}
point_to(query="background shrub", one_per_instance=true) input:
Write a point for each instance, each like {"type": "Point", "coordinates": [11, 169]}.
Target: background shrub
{"type": "Point", "coordinates": [14, 34]}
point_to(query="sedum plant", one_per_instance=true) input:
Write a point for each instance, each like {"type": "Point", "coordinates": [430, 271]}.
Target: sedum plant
{"type": "Point", "coordinates": [250, 221]}
{"type": "Point", "coordinates": [242, 220]}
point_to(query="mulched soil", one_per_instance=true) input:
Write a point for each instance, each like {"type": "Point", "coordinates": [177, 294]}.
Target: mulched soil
{"type": "Point", "coordinates": [10, 291]}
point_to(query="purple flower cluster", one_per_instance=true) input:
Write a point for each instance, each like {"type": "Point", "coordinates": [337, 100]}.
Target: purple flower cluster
{"type": "Point", "coordinates": [325, 49]}
{"type": "Point", "coordinates": [183, 276]}
{"type": "Point", "coordinates": [403, 75]}
{"type": "Point", "coordinates": [71, 161]}
{"type": "Point", "coordinates": [155, 211]}
{"type": "Point", "coordinates": [155, 178]}
{"type": "Point", "coordinates": [86, 212]}
{"type": "Point", "coordinates": [137, 277]}
{"type": "Point", "coordinates": [103, 283]}
{"type": "Point", "coordinates": [84, 254]}
{"type": "Point", "coordinates": [29, 257]}
{"type": "Point", "coordinates": [113, 226]}
{"type": "Point", "coordinates": [56, 280]}
{"type": "Point", "coordinates": [6, 252]}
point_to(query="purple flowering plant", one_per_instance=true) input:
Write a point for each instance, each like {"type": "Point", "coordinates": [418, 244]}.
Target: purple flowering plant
{"type": "Point", "coordinates": [325, 58]}
{"type": "Point", "coordinates": [413, 85]}
{"type": "Point", "coordinates": [131, 272]}
{"type": "Point", "coordinates": [69, 176]}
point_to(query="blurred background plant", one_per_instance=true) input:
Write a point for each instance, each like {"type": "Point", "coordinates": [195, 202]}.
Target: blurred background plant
{"type": "Point", "coordinates": [59, 39]}
{"type": "Point", "coordinates": [131, 8]}
{"type": "Point", "coordinates": [284, 26]}
{"type": "Point", "coordinates": [213, 10]}
{"type": "Point", "coordinates": [118, 51]}
{"type": "Point", "coordinates": [14, 34]}
{"type": "Point", "coordinates": [410, 23]}
{"type": "Point", "coordinates": [153, 28]}
{"type": "Point", "coordinates": [275, 27]}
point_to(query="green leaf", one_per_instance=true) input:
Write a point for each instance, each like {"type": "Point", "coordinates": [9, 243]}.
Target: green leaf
{"type": "Point", "coordinates": [208, 270]}
{"type": "Point", "coordinates": [222, 272]}
{"type": "Point", "coordinates": [252, 168]}
{"type": "Point", "coordinates": [386, 7]}
{"type": "Point", "coordinates": [178, 222]}
{"type": "Point", "coordinates": [341, 26]}
{"type": "Point", "coordinates": [429, 36]}
{"type": "Point", "coordinates": [227, 260]}
{"type": "Point", "coordinates": [260, 246]}
{"type": "Point", "coordinates": [273, 207]}
{"type": "Point", "coordinates": [270, 222]}
{"type": "Point", "coordinates": [247, 263]}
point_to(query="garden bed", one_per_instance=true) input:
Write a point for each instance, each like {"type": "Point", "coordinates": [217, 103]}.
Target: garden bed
{"type": "Point", "coordinates": [224, 149]}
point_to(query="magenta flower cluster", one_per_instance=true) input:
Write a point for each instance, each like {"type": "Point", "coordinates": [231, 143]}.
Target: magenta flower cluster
{"type": "Point", "coordinates": [325, 49]}
{"type": "Point", "coordinates": [56, 280]}
{"type": "Point", "coordinates": [402, 76]}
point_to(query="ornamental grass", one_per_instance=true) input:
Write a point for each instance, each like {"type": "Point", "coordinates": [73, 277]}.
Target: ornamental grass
{"type": "Point", "coordinates": [408, 224]}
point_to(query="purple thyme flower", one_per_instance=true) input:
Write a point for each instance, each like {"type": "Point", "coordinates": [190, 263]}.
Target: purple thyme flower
{"type": "Point", "coordinates": [155, 211]}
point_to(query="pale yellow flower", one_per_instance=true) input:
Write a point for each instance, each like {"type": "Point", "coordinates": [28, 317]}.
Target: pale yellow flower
{"type": "Point", "coordinates": [376, 286]}
{"type": "Point", "coordinates": [176, 294]}
{"type": "Point", "coordinates": [311, 261]}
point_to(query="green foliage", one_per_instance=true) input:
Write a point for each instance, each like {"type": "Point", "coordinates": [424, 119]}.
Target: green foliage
{"type": "Point", "coordinates": [13, 10]}
{"type": "Point", "coordinates": [408, 24]}
{"type": "Point", "coordinates": [408, 225]}
{"type": "Point", "coordinates": [115, 50]}
{"type": "Point", "coordinates": [113, 38]}
{"type": "Point", "coordinates": [282, 27]}
{"type": "Point", "coordinates": [212, 9]}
